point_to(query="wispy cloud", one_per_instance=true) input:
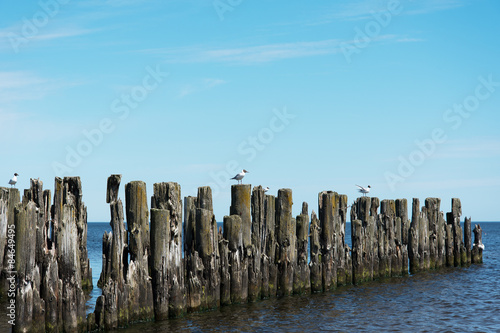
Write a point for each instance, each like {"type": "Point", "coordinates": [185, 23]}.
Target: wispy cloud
{"type": "Point", "coordinates": [202, 85]}
{"type": "Point", "coordinates": [247, 55]}
{"type": "Point", "coordinates": [21, 85]}
{"type": "Point", "coordinates": [12, 38]}
{"type": "Point", "coordinates": [448, 184]}
{"type": "Point", "coordinates": [358, 10]}
{"type": "Point", "coordinates": [467, 149]}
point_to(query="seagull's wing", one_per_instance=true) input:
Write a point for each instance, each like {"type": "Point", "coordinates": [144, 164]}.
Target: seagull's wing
{"type": "Point", "coordinates": [361, 187]}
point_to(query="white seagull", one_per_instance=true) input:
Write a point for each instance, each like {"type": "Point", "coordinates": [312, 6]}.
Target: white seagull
{"type": "Point", "coordinates": [13, 180]}
{"type": "Point", "coordinates": [364, 190]}
{"type": "Point", "coordinates": [266, 189]}
{"type": "Point", "coordinates": [240, 176]}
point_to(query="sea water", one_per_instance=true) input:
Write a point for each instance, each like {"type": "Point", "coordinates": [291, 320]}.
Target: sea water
{"type": "Point", "coordinates": [449, 300]}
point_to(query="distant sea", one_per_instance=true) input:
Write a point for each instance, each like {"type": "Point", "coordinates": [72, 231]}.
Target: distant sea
{"type": "Point", "coordinates": [451, 300]}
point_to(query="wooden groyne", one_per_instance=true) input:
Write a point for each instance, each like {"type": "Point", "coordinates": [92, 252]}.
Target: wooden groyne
{"type": "Point", "coordinates": [45, 274]}
{"type": "Point", "coordinates": [170, 259]}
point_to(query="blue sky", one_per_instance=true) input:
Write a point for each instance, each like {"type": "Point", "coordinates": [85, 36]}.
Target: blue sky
{"type": "Point", "coordinates": [402, 95]}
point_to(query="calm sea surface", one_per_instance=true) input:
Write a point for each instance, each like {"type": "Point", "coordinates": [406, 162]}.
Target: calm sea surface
{"type": "Point", "coordinates": [453, 300]}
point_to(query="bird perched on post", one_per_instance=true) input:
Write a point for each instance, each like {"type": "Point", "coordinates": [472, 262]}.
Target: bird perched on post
{"type": "Point", "coordinates": [266, 189]}
{"type": "Point", "coordinates": [240, 176]}
{"type": "Point", "coordinates": [13, 180]}
{"type": "Point", "coordinates": [364, 190]}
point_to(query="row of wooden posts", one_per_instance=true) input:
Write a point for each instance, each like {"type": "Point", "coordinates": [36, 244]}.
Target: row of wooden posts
{"type": "Point", "coordinates": [172, 259]}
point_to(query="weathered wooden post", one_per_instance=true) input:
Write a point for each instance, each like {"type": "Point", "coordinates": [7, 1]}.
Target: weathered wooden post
{"type": "Point", "coordinates": [343, 255]}
{"type": "Point", "coordinates": [431, 209]}
{"type": "Point", "coordinates": [327, 207]}
{"type": "Point", "coordinates": [9, 197]}
{"type": "Point", "coordinates": [233, 234]}
{"type": "Point", "coordinates": [402, 214]}
{"type": "Point", "coordinates": [315, 264]}
{"type": "Point", "coordinates": [270, 279]}
{"type": "Point", "coordinates": [468, 240]}
{"type": "Point", "coordinates": [70, 221]}
{"type": "Point", "coordinates": [301, 279]}
{"type": "Point", "coordinates": [417, 237]}
{"type": "Point", "coordinates": [364, 239]}
{"type": "Point", "coordinates": [207, 246]}
{"type": "Point", "coordinates": [392, 229]}
{"type": "Point", "coordinates": [258, 236]}
{"type": "Point", "coordinates": [241, 206]}
{"type": "Point", "coordinates": [160, 239]}
{"type": "Point", "coordinates": [441, 236]}
{"type": "Point", "coordinates": [478, 247]}
{"type": "Point", "coordinates": [453, 218]}
{"type": "Point", "coordinates": [192, 260]}
{"type": "Point", "coordinates": [29, 306]}
{"type": "Point", "coordinates": [112, 306]}
{"type": "Point", "coordinates": [140, 288]}
{"type": "Point", "coordinates": [224, 270]}
{"type": "Point", "coordinates": [286, 238]}
{"type": "Point", "coordinates": [167, 196]}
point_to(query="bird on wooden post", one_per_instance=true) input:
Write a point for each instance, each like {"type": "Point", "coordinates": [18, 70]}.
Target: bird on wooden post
{"type": "Point", "coordinates": [13, 180]}
{"type": "Point", "coordinates": [240, 176]}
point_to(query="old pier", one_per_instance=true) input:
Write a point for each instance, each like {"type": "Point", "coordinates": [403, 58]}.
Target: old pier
{"type": "Point", "coordinates": [262, 251]}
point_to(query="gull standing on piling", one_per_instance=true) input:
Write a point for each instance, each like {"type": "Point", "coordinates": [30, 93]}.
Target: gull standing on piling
{"type": "Point", "coordinates": [240, 176]}
{"type": "Point", "coordinates": [266, 189]}
{"type": "Point", "coordinates": [13, 180]}
{"type": "Point", "coordinates": [364, 190]}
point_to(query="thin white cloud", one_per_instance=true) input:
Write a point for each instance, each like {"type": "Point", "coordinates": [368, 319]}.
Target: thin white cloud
{"type": "Point", "coordinates": [263, 53]}
{"type": "Point", "coordinates": [462, 149]}
{"type": "Point", "coordinates": [22, 85]}
{"type": "Point", "coordinates": [248, 54]}
{"type": "Point", "coordinates": [13, 40]}
{"type": "Point", "coordinates": [201, 85]}
{"type": "Point", "coordinates": [359, 10]}
{"type": "Point", "coordinates": [447, 184]}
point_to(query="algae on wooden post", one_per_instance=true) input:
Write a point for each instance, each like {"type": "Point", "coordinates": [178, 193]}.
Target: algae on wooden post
{"type": "Point", "coordinates": [328, 215]}
{"type": "Point", "coordinates": [286, 239]}
{"type": "Point", "coordinates": [233, 234]}
{"type": "Point", "coordinates": [207, 246]}
{"type": "Point", "coordinates": [432, 211]}
{"type": "Point", "coordinates": [301, 280]}
{"type": "Point", "coordinates": [468, 239]}
{"type": "Point", "coordinates": [160, 238]}
{"type": "Point", "coordinates": [364, 239]}
{"type": "Point", "coordinates": [140, 297]}
{"type": "Point", "coordinates": [241, 206]}
{"type": "Point", "coordinates": [453, 219]}
{"type": "Point", "coordinates": [414, 239]}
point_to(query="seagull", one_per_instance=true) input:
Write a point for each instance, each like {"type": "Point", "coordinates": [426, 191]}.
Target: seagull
{"type": "Point", "coordinates": [364, 190]}
{"type": "Point", "coordinates": [240, 176]}
{"type": "Point", "coordinates": [266, 189]}
{"type": "Point", "coordinates": [13, 180]}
